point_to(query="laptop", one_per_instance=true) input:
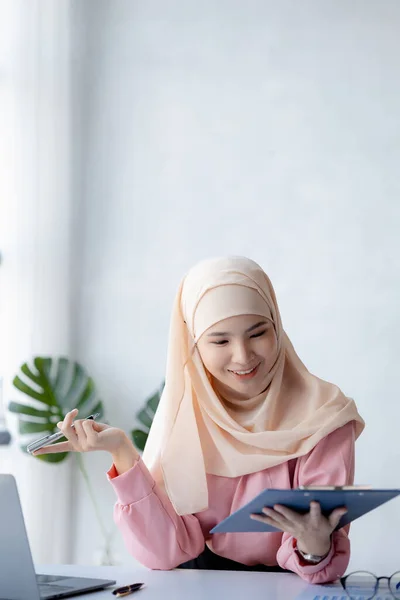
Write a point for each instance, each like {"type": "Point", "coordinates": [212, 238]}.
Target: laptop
{"type": "Point", "coordinates": [18, 580]}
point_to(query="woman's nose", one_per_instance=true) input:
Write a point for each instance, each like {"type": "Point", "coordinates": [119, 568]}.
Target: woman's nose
{"type": "Point", "coordinates": [241, 354]}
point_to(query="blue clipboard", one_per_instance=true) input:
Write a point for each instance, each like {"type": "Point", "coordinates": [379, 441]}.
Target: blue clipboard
{"type": "Point", "coordinates": [357, 502]}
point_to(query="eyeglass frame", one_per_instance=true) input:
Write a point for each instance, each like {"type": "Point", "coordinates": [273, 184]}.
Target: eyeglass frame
{"type": "Point", "coordinates": [377, 581]}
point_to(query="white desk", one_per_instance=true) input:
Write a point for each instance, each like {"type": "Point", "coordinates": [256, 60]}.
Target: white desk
{"type": "Point", "coordinates": [196, 585]}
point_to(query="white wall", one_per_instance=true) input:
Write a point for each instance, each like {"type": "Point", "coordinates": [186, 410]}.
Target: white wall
{"type": "Point", "coordinates": [269, 129]}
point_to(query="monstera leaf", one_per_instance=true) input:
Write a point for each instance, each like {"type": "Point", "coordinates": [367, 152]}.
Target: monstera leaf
{"type": "Point", "coordinates": [53, 387]}
{"type": "Point", "coordinates": [145, 416]}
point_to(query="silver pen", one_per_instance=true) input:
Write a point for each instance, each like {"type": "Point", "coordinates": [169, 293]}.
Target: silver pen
{"type": "Point", "coordinates": [53, 437]}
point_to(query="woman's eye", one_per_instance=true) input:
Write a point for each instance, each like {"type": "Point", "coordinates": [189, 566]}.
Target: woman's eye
{"type": "Point", "coordinates": [256, 335]}
{"type": "Point", "coordinates": [220, 342]}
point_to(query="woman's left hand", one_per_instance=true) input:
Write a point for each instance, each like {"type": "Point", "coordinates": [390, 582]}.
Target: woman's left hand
{"type": "Point", "coordinates": [312, 530]}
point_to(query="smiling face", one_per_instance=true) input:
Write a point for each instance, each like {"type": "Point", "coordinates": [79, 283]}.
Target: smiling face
{"type": "Point", "coordinates": [239, 353]}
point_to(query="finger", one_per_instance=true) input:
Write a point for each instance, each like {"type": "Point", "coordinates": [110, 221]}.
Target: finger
{"type": "Point", "coordinates": [98, 427]}
{"type": "Point", "coordinates": [67, 429]}
{"type": "Point", "coordinates": [68, 419]}
{"type": "Point", "coordinates": [54, 448]}
{"type": "Point", "coordinates": [277, 519]}
{"type": "Point", "coordinates": [335, 516]}
{"type": "Point", "coordinates": [315, 510]}
{"type": "Point", "coordinates": [91, 434]}
{"type": "Point", "coordinates": [260, 518]}
{"type": "Point", "coordinates": [288, 513]}
{"type": "Point", "coordinates": [70, 416]}
{"type": "Point", "coordinates": [80, 433]}
{"type": "Point", "coordinates": [265, 520]}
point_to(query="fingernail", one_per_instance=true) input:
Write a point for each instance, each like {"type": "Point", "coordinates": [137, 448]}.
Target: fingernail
{"type": "Point", "coordinates": [59, 424]}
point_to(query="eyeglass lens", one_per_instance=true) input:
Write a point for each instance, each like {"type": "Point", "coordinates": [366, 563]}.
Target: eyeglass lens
{"type": "Point", "coordinates": [362, 585]}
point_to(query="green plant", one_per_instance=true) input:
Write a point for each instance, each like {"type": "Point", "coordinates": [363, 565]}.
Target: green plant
{"type": "Point", "coordinates": [54, 387]}
{"type": "Point", "coordinates": [145, 417]}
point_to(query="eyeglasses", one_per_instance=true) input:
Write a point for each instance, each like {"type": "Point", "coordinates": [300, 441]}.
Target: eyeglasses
{"type": "Point", "coordinates": [362, 585]}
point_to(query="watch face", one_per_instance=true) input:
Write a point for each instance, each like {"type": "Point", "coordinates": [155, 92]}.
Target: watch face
{"type": "Point", "coordinates": [313, 558]}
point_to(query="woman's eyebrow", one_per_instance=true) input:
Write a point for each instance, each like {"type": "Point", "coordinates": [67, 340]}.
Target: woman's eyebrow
{"type": "Point", "coordinates": [218, 333]}
{"type": "Point", "coordinates": [225, 333]}
{"type": "Point", "coordinates": [256, 325]}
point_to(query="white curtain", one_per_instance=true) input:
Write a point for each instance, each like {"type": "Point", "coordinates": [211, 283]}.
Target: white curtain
{"type": "Point", "coordinates": [35, 245]}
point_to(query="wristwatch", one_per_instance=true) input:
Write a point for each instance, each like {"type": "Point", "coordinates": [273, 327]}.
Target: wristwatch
{"type": "Point", "coordinates": [311, 558]}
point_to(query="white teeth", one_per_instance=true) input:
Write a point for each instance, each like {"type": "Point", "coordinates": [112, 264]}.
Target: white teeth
{"type": "Point", "coordinates": [243, 372]}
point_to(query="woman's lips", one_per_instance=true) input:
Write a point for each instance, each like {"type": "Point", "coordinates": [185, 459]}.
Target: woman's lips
{"type": "Point", "coordinates": [245, 375]}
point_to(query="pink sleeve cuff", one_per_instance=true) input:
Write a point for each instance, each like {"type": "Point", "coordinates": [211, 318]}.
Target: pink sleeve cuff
{"type": "Point", "coordinates": [310, 569]}
{"type": "Point", "coordinates": [329, 569]}
{"type": "Point", "coordinates": [132, 486]}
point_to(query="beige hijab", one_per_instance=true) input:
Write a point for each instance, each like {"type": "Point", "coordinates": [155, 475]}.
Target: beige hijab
{"type": "Point", "coordinates": [195, 431]}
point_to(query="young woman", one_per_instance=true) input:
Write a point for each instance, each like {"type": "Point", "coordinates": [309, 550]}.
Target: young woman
{"type": "Point", "coordinates": [239, 413]}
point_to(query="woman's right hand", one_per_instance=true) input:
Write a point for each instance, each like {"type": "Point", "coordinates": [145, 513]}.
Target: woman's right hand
{"type": "Point", "coordinates": [87, 435]}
